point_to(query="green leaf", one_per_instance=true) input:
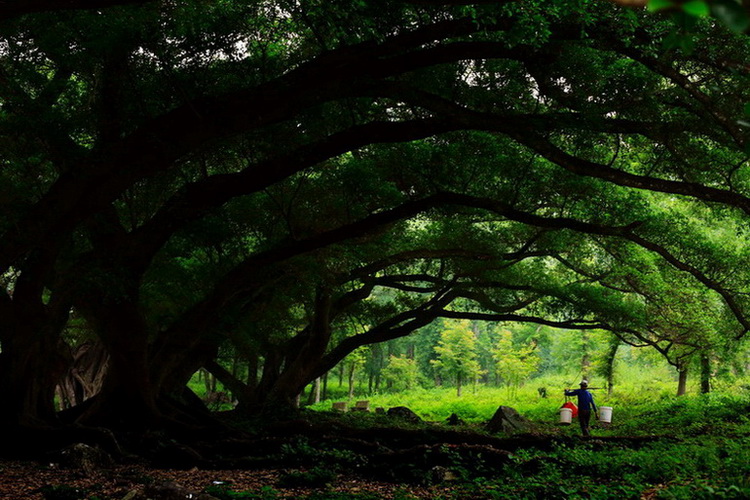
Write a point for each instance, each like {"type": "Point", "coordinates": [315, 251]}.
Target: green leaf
{"type": "Point", "coordinates": [746, 108]}
{"type": "Point", "coordinates": [697, 8]}
{"type": "Point", "coordinates": [731, 14]}
{"type": "Point", "coordinates": [677, 40]}
{"type": "Point", "coordinates": [684, 21]}
{"type": "Point", "coordinates": [657, 5]}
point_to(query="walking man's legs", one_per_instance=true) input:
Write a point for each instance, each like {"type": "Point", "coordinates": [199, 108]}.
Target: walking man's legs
{"type": "Point", "coordinates": [584, 418]}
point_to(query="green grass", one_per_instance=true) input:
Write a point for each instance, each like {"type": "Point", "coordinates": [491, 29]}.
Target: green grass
{"type": "Point", "coordinates": [479, 403]}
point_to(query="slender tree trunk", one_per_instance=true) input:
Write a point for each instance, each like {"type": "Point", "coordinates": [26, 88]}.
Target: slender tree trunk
{"type": "Point", "coordinates": [206, 380]}
{"type": "Point", "coordinates": [705, 374]}
{"type": "Point", "coordinates": [310, 394]}
{"type": "Point", "coordinates": [235, 363]}
{"type": "Point", "coordinates": [325, 386]}
{"type": "Point", "coordinates": [351, 381]}
{"type": "Point", "coordinates": [586, 358]}
{"type": "Point", "coordinates": [458, 385]}
{"type": "Point", "coordinates": [682, 377]}
{"type": "Point", "coordinates": [252, 371]}
{"type": "Point", "coordinates": [316, 390]}
{"type": "Point", "coordinates": [314, 395]}
{"type": "Point", "coordinates": [609, 367]}
{"type": "Point", "coordinates": [377, 367]}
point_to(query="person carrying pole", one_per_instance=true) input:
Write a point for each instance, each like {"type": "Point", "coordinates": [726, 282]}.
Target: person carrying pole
{"type": "Point", "coordinates": [585, 406]}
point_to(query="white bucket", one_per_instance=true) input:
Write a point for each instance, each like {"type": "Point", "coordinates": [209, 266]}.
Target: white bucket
{"type": "Point", "coordinates": [566, 416]}
{"type": "Point", "coordinates": [605, 414]}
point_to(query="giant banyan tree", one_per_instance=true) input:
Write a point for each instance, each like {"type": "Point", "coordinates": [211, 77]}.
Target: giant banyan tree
{"type": "Point", "coordinates": [182, 177]}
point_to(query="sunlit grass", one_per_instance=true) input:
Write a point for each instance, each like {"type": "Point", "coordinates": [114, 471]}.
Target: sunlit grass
{"type": "Point", "coordinates": [480, 402]}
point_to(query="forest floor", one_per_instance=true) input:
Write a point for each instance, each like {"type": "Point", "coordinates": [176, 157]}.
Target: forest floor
{"type": "Point", "coordinates": [32, 480]}
{"type": "Point", "coordinates": [676, 449]}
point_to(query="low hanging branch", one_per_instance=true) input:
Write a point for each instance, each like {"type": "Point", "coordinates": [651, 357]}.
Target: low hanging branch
{"type": "Point", "coordinates": [520, 318]}
{"type": "Point", "coordinates": [587, 168]}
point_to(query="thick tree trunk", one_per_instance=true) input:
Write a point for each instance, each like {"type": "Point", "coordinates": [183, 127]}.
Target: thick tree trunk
{"type": "Point", "coordinates": [33, 358]}
{"type": "Point", "coordinates": [175, 358]}
{"type": "Point", "coordinates": [682, 378]}
{"type": "Point", "coordinates": [301, 360]}
{"type": "Point", "coordinates": [128, 397]}
{"type": "Point", "coordinates": [31, 364]}
{"type": "Point", "coordinates": [85, 376]}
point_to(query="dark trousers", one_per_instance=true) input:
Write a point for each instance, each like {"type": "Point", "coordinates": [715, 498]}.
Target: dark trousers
{"type": "Point", "coordinates": [584, 418]}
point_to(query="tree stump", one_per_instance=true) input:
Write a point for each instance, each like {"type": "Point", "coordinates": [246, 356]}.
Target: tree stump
{"type": "Point", "coordinates": [454, 420]}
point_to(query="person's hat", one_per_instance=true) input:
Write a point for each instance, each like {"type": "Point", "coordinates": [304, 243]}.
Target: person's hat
{"type": "Point", "coordinates": [584, 383]}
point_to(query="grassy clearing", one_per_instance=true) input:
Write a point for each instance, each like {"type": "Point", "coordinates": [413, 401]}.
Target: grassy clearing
{"type": "Point", "coordinates": [702, 448]}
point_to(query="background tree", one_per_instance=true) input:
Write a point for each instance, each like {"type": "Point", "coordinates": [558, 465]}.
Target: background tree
{"type": "Point", "coordinates": [514, 363]}
{"type": "Point", "coordinates": [457, 356]}
{"type": "Point", "coordinates": [401, 373]}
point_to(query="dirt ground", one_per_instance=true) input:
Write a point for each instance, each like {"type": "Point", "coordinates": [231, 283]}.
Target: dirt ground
{"type": "Point", "coordinates": [24, 480]}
